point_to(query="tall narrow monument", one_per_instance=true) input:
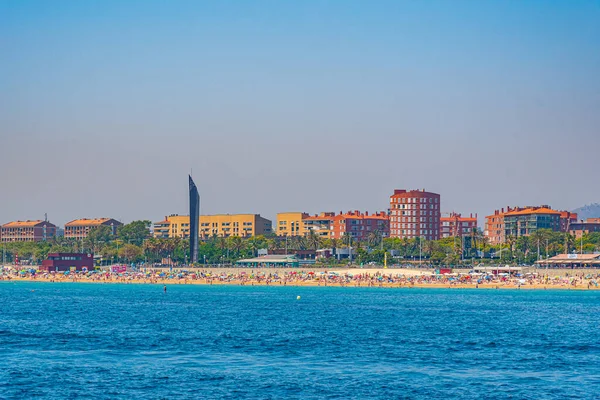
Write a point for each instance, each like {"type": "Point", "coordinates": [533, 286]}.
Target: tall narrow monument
{"type": "Point", "coordinates": [194, 220]}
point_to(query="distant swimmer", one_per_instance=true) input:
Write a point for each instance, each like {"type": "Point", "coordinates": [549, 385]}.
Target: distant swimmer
{"type": "Point", "coordinates": [165, 288]}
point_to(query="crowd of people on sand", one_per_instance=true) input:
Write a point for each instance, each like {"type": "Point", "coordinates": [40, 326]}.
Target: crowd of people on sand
{"type": "Point", "coordinates": [300, 277]}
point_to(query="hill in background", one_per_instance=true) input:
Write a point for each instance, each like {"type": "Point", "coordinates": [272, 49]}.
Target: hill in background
{"type": "Point", "coordinates": [588, 211]}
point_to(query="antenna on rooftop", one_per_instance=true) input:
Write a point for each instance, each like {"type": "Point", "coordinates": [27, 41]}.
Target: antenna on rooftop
{"type": "Point", "coordinates": [45, 217]}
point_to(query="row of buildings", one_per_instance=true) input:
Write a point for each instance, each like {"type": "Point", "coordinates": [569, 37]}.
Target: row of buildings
{"type": "Point", "coordinates": [411, 214]}
{"type": "Point", "coordinates": [42, 230]}
{"type": "Point", "coordinates": [523, 221]}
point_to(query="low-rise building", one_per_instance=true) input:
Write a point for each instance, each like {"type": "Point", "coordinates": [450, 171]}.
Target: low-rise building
{"type": "Point", "coordinates": [456, 225]}
{"type": "Point", "coordinates": [58, 262]}
{"type": "Point", "coordinates": [79, 228]}
{"type": "Point", "coordinates": [590, 225]}
{"type": "Point", "coordinates": [27, 231]}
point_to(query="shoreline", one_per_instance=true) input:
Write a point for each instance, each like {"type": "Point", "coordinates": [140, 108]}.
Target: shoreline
{"type": "Point", "coordinates": [394, 285]}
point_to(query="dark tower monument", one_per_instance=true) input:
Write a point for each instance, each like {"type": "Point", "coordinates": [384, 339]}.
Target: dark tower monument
{"type": "Point", "coordinates": [194, 219]}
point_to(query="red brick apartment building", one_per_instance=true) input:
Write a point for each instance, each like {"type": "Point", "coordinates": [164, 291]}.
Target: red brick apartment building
{"type": "Point", "coordinates": [415, 213]}
{"type": "Point", "coordinates": [457, 225]}
{"type": "Point", "coordinates": [590, 225]}
{"type": "Point", "coordinates": [27, 231]}
{"type": "Point", "coordinates": [359, 225]}
{"type": "Point", "coordinates": [79, 228]}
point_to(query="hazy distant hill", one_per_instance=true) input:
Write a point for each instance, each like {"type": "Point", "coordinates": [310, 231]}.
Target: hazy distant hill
{"type": "Point", "coordinates": [588, 211]}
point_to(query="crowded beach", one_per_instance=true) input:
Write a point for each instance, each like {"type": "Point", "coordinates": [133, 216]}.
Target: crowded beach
{"type": "Point", "coordinates": [380, 278]}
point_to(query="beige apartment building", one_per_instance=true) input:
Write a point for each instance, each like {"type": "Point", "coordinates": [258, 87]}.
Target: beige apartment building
{"type": "Point", "coordinates": [291, 224]}
{"type": "Point", "coordinates": [299, 224]}
{"type": "Point", "coordinates": [223, 225]}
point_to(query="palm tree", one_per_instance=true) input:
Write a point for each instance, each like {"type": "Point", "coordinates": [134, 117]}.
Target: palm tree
{"type": "Point", "coordinates": [429, 247]}
{"type": "Point", "coordinates": [347, 239]}
{"type": "Point", "coordinates": [313, 240]}
{"type": "Point", "coordinates": [272, 244]}
{"type": "Point", "coordinates": [374, 238]}
{"type": "Point", "coordinates": [569, 242]}
{"type": "Point", "coordinates": [236, 244]}
{"type": "Point", "coordinates": [253, 245]}
{"type": "Point", "coordinates": [510, 241]}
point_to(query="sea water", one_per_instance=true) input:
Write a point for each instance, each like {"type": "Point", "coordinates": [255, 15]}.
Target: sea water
{"type": "Point", "coordinates": [129, 341]}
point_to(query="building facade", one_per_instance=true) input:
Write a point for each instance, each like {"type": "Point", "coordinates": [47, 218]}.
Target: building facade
{"type": "Point", "coordinates": [529, 220]}
{"type": "Point", "coordinates": [320, 224]}
{"type": "Point", "coordinates": [58, 262]}
{"type": "Point", "coordinates": [291, 224]}
{"type": "Point", "coordinates": [222, 225]}
{"type": "Point", "coordinates": [590, 225]}
{"type": "Point", "coordinates": [79, 228]}
{"type": "Point", "coordinates": [27, 231]}
{"type": "Point", "coordinates": [523, 221]}
{"type": "Point", "coordinates": [173, 226]}
{"type": "Point", "coordinates": [566, 219]}
{"type": "Point", "coordinates": [359, 225]}
{"type": "Point", "coordinates": [242, 225]}
{"type": "Point", "coordinates": [415, 213]}
{"type": "Point", "coordinates": [456, 225]}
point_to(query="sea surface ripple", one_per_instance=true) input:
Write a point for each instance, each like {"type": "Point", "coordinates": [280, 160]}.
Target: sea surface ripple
{"type": "Point", "coordinates": [119, 341]}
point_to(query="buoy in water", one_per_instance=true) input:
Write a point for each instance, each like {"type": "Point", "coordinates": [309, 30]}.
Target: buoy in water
{"type": "Point", "coordinates": [297, 297]}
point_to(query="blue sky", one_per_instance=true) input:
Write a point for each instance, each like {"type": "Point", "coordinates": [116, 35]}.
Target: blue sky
{"type": "Point", "coordinates": [295, 106]}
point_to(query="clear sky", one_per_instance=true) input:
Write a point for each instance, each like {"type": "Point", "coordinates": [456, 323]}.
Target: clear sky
{"type": "Point", "coordinates": [105, 106]}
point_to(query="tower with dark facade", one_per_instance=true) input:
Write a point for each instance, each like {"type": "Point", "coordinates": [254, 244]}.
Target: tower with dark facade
{"type": "Point", "coordinates": [194, 220]}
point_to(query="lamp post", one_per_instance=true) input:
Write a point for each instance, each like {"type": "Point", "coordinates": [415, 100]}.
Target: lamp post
{"type": "Point", "coordinates": [350, 248]}
{"type": "Point", "coordinates": [420, 251]}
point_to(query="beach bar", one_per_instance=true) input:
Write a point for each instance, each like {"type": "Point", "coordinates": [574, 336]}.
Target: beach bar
{"type": "Point", "coordinates": [571, 261]}
{"type": "Point", "coordinates": [269, 261]}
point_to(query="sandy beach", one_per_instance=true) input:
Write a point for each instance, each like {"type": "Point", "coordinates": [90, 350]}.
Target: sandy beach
{"type": "Point", "coordinates": [372, 277]}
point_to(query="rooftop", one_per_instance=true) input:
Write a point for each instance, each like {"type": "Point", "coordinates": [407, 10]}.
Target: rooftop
{"type": "Point", "coordinates": [87, 222]}
{"type": "Point", "coordinates": [24, 224]}
{"type": "Point", "coordinates": [572, 259]}
{"type": "Point", "coordinates": [528, 211]}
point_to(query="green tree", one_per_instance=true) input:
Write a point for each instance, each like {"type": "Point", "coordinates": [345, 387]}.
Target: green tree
{"type": "Point", "coordinates": [313, 240]}
{"type": "Point", "coordinates": [96, 237]}
{"type": "Point", "coordinates": [130, 252]}
{"type": "Point", "coordinates": [135, 232]}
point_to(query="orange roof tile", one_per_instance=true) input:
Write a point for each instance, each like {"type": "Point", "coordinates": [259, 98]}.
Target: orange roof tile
{"type": "Point", "coordinates": [22, 224]}
{"type": "Point", "coordinates": [87, 222]}
{"type": "Point", "coordinates": [528, 211]}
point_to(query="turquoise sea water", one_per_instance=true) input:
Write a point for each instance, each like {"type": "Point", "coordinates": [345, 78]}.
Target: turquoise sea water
{"type": "Point", "coordinates": [96, 341]}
